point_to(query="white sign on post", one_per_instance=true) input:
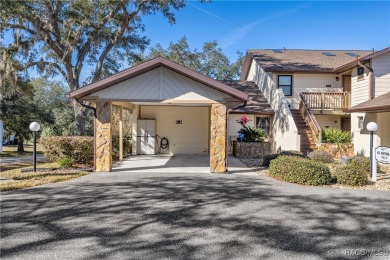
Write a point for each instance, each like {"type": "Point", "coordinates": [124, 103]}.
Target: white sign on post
{"type": "Point", "coordinates": [382, 154]}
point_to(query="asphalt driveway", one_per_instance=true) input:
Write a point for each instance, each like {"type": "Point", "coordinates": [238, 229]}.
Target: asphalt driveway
{"type": "Point", "coordinates": [127, 215]}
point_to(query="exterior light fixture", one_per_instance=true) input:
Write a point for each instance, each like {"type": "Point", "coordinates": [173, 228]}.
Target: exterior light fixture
{"type": "Point", "coordinates": [35, 127]}
{"type": "Point", "coordinates": [372, 127]}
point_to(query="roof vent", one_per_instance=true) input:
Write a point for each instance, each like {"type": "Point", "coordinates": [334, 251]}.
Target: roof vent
{"type": "Point", "coordinates": [328, 54]}
{"type": "Point", "coordinates": [352, 54]}
{"type": "Point", "coordinates": [277, 51]}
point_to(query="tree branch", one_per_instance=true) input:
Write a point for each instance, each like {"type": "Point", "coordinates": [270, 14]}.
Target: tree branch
{"type": "Point", "coordinates": [17, 26]}
{"type": "Point", "coordinates": [46, 63]}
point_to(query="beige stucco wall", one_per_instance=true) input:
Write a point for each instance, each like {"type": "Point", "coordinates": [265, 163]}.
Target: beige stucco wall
{"type": "Point", "coordinates": [189, 137]}
{"type": "Point", "coordinates": [305, 82]}
{"type": "Point", "coordinates": [284, 131]}
{"type": "Point", "coordinates": [333, 121]}
{"type": "Point", "coordinates": [361, 137]}
{"type": "Point", "coordinates": [384, 128]}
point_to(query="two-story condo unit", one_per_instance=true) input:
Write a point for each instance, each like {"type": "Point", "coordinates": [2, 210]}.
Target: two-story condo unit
{"type": "Point", "coordinates": [314, 89]}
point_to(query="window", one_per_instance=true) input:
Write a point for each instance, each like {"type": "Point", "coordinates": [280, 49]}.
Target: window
{"type": "Point", "coordinates": [360, 122]}
{"type": "Point", "coordinates": [352, 54]}
{"type": "Point", "coordinates": [263, 123]}
{"type": "Point", "coordinates": [328, 54]}
{"type": "Point", "coordinates": [285, 83]}
{"type": "Point", "coordinates": [360, 72]}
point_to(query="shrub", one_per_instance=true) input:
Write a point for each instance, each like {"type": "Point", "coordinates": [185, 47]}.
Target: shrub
{"type": "Point", "coordinates": [127, 146]}
{"type": "Point", "coordinates": [65, 162]}
{"type": "Point", "coordinates": [79, 148]}
{"type": "Point", "coordinates": [336, 136]}
{"type": "Point", "coordinates": [299, 170]}
{"type": "Point", "coordinates": [268, 158]}
{"type": "Point", "coordinates": [252, 134]}
{"type": "Point", "coordinates": [321, 156]}
{"type": "Point", "coordinates": [353, 173]}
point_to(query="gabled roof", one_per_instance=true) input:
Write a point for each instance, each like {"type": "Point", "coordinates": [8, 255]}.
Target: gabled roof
{"type": "Point", "coordinates": [256, 104]}
{"type": "Point", "coordinates": [354, 63]}
{"type": "Point", "coordinates": [314, 61]}
{"type": "Point", "coordinates": [304, 60]}
{"type": "Point", "coordinates": [148, 66]}
{"type": "Point", "coordinates": [378, 104]}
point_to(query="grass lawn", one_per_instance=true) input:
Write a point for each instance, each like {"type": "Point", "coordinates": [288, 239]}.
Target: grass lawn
{"type": "Point", "coordinates": [12, 150]}
{"type": "Point", "coordinates": [16, 179]}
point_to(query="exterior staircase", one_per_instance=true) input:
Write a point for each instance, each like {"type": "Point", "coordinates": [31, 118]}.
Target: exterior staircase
{"type": "Point", "coordinates": [307, 140]}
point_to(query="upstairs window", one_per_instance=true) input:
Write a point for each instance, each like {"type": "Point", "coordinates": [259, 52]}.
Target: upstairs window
{"type": "Point", "coordinates": [360, 72]}
{"type": "Point", "coordinates": [285, 83]}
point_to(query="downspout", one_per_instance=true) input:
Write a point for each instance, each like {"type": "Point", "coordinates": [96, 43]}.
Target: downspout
{"type": "Point", "coordinates": [227, 129]}
{"type": "Point", "coordinates": [94, 130]}
{"type": "Point", "coordinates": [371, 79]}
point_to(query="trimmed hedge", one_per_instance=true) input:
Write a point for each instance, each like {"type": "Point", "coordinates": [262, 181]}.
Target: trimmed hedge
{"type": "Point", "coordinates": [321, 156]}
{"type": "Point", "coordinates": [354, 173]}
{"type": "Point", "coordinates": [78, 148]}
{"type": "Point", "coordinates": [299, 170]}
{"type": "Point", "coordinates": [268, 158]}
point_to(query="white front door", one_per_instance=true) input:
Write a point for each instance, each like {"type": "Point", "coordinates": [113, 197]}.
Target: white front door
{"type": "Point", "coordinates": [146, 136]}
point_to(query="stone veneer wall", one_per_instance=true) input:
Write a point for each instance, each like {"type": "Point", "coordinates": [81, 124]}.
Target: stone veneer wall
{"type": "Point", "coordinates": [338, 150]}
{"type": "Point", "coordinates": [103, 135]}
{"type": "Point", "coordinates": [251, 150]}
{"type": "Point", "coordinates": [218, 138]}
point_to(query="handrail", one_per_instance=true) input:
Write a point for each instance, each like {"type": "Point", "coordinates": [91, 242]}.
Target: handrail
{"type": "Point", "coordinates": [310, 119]}
{"type": "Point", "coordinates": [327, 100]}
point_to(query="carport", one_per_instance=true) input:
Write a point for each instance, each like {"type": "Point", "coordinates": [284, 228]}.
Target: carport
{"type": "Point", "coordinates": [167, 100]}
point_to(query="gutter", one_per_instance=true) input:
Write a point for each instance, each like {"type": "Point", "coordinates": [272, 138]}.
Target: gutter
{"type": "Point", "coordinates": [371, 79]}
{"type": "Point", "coordinates": [94, 130]}
{"type": "Point", "coordinates": [227, 136]}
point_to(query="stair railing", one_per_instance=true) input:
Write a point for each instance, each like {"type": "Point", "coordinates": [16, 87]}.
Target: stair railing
{"type": "Point", "coordinates": [310, 119]}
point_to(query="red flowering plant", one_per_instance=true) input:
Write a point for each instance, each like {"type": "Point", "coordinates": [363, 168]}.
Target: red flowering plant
{"type": "Point", "coordinates": [243, 120]}
{"type": "Point", "coordinates": [248, 133]}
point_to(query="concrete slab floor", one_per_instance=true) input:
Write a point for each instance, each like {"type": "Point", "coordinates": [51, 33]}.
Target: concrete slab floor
{"type": "Point", "coordinates": [191, 163]}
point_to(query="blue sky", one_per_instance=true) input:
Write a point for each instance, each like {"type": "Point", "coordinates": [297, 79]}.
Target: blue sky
{"type": "Point", "coordinates": [242, 25]}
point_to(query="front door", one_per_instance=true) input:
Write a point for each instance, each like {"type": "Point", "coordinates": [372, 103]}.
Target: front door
{"type": "Point", "coordinates": [346, 124]}
{"type": "Point", "coordinates": [347, 83]}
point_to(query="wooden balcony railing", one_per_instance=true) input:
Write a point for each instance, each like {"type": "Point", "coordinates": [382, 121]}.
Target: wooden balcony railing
{"type": "Point", "coordinates": [310, 119]}
{"type": "Point", "coordinates": [327, 100]}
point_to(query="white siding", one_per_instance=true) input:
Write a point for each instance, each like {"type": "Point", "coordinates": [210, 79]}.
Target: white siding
{"type": "Point", "coordinates": [333, 121]}
{"type": "Point", "coordinates": [381, 67]}
{"type": "Point", "coordinates": [359, 88]}
{"type": "Point", "coordinates": [304, 82]}
{"type": "Point", "coordinates": [189, 137]}
{"type": "Point", "coordinates": [161, 84]}
{"type": "Point", "coordinates": [284, 131]}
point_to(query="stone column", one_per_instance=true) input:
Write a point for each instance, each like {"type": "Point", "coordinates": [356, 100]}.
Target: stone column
{"type": "Point", "coordinates": [134, 120]}
{"type": "Point", "coordinates": [218, 138]}
{"type": "Point", "coordinates": [121, 133]}
{"type": "Point", "coordinates": [103, 137]}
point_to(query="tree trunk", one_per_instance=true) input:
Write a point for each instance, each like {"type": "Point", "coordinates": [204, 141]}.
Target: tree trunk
{"type": "Point", "coordinates": [80, 117]}
{"type": "Point", "coordinates": [20, 144]}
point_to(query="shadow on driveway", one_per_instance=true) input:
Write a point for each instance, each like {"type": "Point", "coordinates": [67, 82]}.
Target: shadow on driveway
{"type": "Point", "coordinates": [191, 216]}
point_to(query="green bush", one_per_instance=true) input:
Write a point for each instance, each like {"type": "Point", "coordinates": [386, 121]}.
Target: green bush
{"type": "Point", "coordinates": [127, 146]}
{"type": "Point", "coordinates": [79, 148]}
{"type": "Point", "coordinates": [354, 173]}
{"type": "Point", "coordinates": [252, 134]}
{"type": "Point", "coordinates": [299, 170]}
{"type": "Point", "coordinates": [66, 162]}
{"type": "Point", "coordinates": [336, 136]}
{"type": "Point", "coordinates": [321, 156]}
{"type": "Point", "coordinates": [268, 158]}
